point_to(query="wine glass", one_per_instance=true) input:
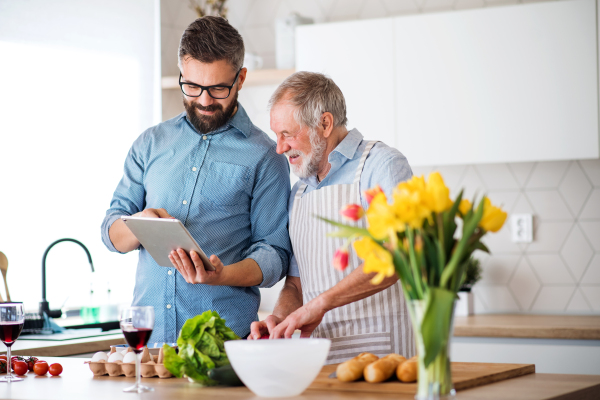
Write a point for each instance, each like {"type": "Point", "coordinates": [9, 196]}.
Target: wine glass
{"type": "Point", "coordinates": [12, 319]}
{"type": "Point", "coordinates": [137, 324]}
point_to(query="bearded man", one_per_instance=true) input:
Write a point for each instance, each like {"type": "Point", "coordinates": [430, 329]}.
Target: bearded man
{"type": "Point", "coordinates": [335, 167]}
{"type": "Point", "coordinates": [220, 175]}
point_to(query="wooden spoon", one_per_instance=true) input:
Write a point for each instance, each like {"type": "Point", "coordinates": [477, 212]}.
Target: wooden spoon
{"type": "Point", "coordinates": [4, 269]}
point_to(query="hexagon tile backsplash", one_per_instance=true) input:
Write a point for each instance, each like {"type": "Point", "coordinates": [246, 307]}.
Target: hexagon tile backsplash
{"type": "Point", "coordinates": [559, 272]}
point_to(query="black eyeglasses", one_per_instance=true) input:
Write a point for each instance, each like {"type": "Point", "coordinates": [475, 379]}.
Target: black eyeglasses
{"type": "Point", "coordinates": [214, 91]}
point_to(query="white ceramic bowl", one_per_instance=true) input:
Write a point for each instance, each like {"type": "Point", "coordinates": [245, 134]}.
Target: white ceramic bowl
{"type": "Point", "coordinates": [280, 367]}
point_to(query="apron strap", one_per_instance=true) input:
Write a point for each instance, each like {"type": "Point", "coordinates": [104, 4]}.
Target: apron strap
{"type": "Point", "coordinates": [363, 158]}
{"type": "Point", "coordinates": [299, 192]}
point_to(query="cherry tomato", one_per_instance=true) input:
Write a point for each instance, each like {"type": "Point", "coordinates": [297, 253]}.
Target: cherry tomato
{"type": "Point", "coordinates": [14, 359]}
{"type": "Point", "coordinates": [265, 336]}
{"type": "Point", "coordinates": [20, 368]}
{"type": "Point", "coordinates": [40, 368]}
{"type": "Point", "coordinates": [30, 362]}
{"type": "Point", "coordinates": [55, 369]}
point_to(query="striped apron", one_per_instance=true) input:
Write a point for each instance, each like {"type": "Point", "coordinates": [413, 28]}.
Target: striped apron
{"type": "Point", "coordinates": [379, 324]}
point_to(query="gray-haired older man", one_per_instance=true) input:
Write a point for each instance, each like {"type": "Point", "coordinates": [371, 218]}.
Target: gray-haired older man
{"type": "Point", "coordinates": [335, 166]}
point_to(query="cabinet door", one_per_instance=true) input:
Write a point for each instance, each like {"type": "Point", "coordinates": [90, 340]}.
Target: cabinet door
{"type": "Point", "coordinates": [358, 56]}
{"type": "Point", "coordinates": [505, 84]}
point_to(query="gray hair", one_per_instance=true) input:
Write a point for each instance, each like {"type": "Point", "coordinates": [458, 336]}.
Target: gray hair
{"type": "Point", "coordinates": [312, 94]}
{"type": "Point", "coordinates": [209, 39]}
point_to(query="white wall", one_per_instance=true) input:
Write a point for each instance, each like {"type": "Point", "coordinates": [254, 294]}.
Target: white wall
{"type": "Point", "coordinates": [78, 84]}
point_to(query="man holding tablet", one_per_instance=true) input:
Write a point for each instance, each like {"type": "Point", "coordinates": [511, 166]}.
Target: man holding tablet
{"type": "Point", "coordinates": [217, 173]}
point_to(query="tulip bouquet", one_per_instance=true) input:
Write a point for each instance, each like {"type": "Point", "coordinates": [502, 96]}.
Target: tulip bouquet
{"type": "Point", "coordinates": [416, 235]}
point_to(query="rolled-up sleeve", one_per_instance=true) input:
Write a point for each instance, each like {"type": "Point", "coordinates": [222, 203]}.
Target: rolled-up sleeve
{"type": "Point", "coordinates": [271, 248]}
{"type": "Point", "coordinates": [129, 196]}
{"type": "Point", "coordinates": [293, 269]}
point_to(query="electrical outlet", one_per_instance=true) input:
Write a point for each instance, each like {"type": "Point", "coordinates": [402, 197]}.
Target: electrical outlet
{"type": "Point", "coordinates": [521, 226]}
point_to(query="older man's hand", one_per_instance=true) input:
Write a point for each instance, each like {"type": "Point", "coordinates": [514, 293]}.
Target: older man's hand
{"type": "Point", "coordinates": [260, 328]}
{"type": "Point", "coordinates": [306, 318]}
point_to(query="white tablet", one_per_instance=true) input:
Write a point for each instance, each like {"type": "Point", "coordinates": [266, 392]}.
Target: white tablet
{"type": "Point", "coordinates": [160, 236]}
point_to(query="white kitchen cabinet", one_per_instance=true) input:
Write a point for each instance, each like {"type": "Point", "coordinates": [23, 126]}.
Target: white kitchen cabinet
{"type": "Point", "coordinates": [502, 84]}
{"type": "Point", "coordinates": [357, 56]}
{"type": "Point", "coordinates": [550, 356]}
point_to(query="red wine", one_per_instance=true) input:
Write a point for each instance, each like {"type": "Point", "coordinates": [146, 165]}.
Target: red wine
{"type": "Point", "coordinates": [137, 339]}
{"type": "Point", "coordinates": [10, 331]}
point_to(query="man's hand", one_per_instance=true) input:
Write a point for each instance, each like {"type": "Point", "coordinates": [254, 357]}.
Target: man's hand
{"type": "Point", "coordinates": [122, 238]}
{"type": "Point", "coordinates": [306, 318]}
{"type": "Point", "coordinates": [290, 300]}
{"type": "Point", "coordinates": [153, 213]}
{"type": "Point", "coordinates": [260, 328]}
{"type": "Point", "coordinates": [193, 270]}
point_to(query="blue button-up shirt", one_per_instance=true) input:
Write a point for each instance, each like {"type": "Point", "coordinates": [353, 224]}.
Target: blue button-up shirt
{"type": "Point", "coordinates": [230, 189]}
{"type": "Point", "coordinates": [385, 166]}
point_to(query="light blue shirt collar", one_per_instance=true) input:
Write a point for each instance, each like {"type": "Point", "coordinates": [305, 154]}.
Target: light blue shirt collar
{"type": "Point", "coordinates": [345, 150]}
{"type": "Point", "coordinates": [347, 147]}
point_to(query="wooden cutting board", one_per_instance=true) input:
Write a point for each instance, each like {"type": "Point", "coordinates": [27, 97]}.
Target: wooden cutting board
{"type": "Point", "coordinates": [464, 376]}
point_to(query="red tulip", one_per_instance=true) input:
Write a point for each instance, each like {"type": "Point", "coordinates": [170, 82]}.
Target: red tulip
{"type": "Point", "coordinates": [352, 212]}
{"type": "Point", "coordinates": [340, 259]}
{"type": "Point", "coordinates": [371, 193]}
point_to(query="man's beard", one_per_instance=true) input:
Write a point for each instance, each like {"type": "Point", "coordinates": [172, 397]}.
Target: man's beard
{"type": "Point", "coordinates": [310, 163]}
{"type": "Point", "coordinates": [209, 123]}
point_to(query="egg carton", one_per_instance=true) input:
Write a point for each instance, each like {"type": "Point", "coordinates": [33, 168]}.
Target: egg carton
{"type": "Point", "coordinates": [113, 364]}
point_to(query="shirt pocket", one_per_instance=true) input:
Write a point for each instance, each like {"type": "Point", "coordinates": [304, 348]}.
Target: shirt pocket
{"type": "Point", "coordinates": [226, 184]}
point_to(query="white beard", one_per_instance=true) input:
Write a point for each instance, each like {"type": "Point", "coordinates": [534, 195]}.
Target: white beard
{"type": "Point", "coordinates": [310, 163]}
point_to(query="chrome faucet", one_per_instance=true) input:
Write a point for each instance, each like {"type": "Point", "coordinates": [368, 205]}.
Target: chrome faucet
{"type": "Point", "coordinates": [44, 306]}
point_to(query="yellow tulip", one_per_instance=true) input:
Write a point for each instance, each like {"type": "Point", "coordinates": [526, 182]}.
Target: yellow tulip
{"type": "Point", "coordinates": [493, 217]}
{"type": "Point", "coordinates": [438, 194]}
{"type": "Point", "coordinates": [377, 259]}
{"type": "Point", "coordinates": [382, 218]}
{"type": "Point", "coordinates": [464, 207]}
{"type": "Point", "coordinates": [410, 208]}
{"type": "Point", "coordinates": [413, 201]}
{"type": "Point", "coordinates": [416, 184]}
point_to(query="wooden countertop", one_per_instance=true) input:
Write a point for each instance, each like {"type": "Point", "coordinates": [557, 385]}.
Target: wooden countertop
{"type": "Point", "coordinates": [77, 382]}
{"type": "Point", "coordinates": [62, 348]}
{"type": "Point", "coordinates": [529, 326]}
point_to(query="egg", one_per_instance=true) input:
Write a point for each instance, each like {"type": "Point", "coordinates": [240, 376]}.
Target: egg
{"type": "Point", "coordinates": [124, 352]}
{"type": "Point", "coordinates": [100, 356]}
{"type": "Point", "coordinates": [129, 357]}
{"type": "Point", "coordinates": [114, 357]}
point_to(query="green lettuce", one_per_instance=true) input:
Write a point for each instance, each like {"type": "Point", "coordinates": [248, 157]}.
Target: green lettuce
{"type": "Point", "coordinates": [201, 345]}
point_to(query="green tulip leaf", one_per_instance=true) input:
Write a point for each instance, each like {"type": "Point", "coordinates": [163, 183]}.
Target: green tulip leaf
{"type": "Point", "coordinates": [345, 230]}
{"type": "Point", "coordinates": [404, 273]}
{"type": "Point", "coordinates": [435, 327]}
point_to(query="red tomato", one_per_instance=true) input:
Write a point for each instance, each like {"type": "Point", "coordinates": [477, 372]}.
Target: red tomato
{"type": "Point", "coordinates": [14, 359]}
{"type": "Point", "coordinates": [3, 357]}
{"type": "Point", "coordinates": [265, 336]}
{"type": "Point", "coordinates": [20, 368]}
{"type": "Point", "coordinates": [55, 369]}
{"type": "Point", "coordinates": [40, 368]}
{"type": "Point", "coordinates": [30, 362]}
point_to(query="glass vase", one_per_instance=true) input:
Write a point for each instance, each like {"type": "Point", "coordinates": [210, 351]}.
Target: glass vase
{"type": "Point", "coordinates": [435, 380]}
